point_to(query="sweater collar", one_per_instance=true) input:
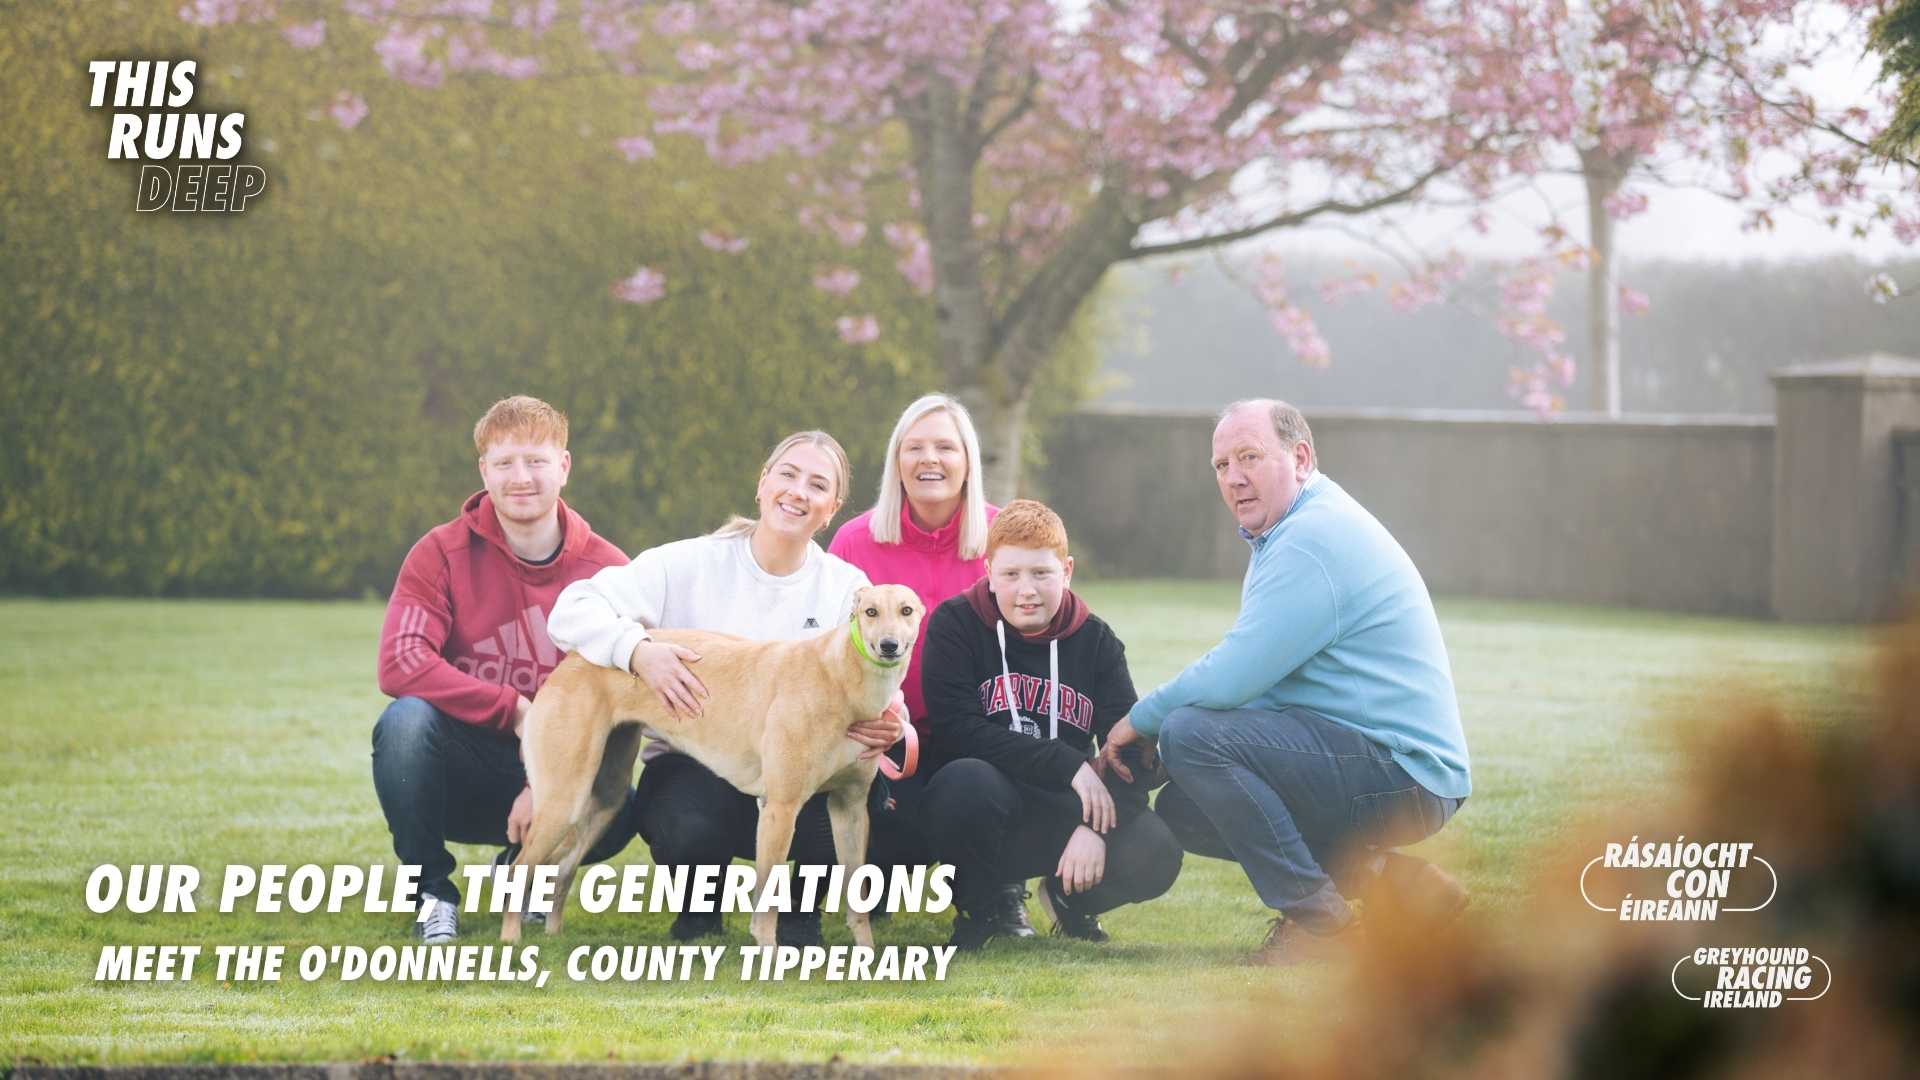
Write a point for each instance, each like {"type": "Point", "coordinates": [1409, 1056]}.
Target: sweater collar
{"type": "Point", "coordinates": [1306, 494]}
{"type": "Point", "coordinates": [484, 523]}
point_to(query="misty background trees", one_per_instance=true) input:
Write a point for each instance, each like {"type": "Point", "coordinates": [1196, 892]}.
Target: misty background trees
{"type": "Point", "coordinates": [1198, 338]}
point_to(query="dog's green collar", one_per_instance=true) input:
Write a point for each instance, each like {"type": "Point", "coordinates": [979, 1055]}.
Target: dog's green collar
{"type": "Point", "coordinates": [860, 646]}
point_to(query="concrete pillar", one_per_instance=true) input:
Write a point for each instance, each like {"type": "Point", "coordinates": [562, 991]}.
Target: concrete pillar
{"type": "Point", "coordinates": [1835, 509]}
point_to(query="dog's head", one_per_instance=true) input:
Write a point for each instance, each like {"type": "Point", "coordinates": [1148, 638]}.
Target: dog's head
{"type": "Point", "coordinates": [886, 622]}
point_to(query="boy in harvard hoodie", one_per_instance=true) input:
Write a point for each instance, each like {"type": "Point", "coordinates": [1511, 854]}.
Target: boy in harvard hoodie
{"type": "Point", "coordinates": [1019, 679]}
{"type": "Point", "coordinates": [465, 648]}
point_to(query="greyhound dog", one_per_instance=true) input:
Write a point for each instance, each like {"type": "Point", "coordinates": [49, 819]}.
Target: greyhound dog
{"type": "Point", "coordinates": [774, 725]}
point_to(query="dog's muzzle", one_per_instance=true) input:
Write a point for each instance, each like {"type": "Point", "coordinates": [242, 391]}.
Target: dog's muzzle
{"type": "Point", "coordinates": [889, 647]}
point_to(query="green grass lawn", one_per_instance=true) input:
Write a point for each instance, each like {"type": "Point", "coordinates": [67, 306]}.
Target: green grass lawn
{"type": "Point", "coordinates": [237, 732]}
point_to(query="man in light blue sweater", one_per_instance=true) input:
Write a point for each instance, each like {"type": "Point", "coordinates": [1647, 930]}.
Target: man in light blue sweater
{"type": "Point", "coordinates": [1323, 730]}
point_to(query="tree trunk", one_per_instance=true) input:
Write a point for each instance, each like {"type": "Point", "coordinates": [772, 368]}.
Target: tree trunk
{"type": "Point", "coordinates": [1603, 173]}
{"type": "Point", "coordinates": [1002, 427]}
{"type": "Point", "coordinates": [990, 360]}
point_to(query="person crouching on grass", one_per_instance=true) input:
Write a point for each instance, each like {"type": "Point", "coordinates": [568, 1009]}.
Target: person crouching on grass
{"type": "Point", "coordinates": [1019, 679]}
{"type": "Point", "coordinates": [465, 647]}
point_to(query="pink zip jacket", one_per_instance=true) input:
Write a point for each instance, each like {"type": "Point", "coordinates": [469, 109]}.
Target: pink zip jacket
{"type": "Point", "coordinates": [929, 563]}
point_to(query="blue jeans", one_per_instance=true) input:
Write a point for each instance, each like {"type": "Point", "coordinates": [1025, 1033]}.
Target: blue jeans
{"type": "Point", "coordinates": [439, 779]}
{"type": "Point", "coordinates": [1290, 796]}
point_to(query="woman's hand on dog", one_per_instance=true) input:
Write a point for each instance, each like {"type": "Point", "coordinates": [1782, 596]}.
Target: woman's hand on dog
{"type": "Point", "coordinates": [663, 668]}
{"type": "Point", "coordinates": [883, 731]}
{"type": "Point", "coordinates": [1096, 802]}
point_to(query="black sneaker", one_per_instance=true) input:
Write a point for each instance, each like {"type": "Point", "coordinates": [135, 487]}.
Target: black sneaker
{"type": "Point", "coordinates": [1066, 921]}
{"type": "Point", "coordinates": [799, 929]}
{"type": "Point", "coordinates": [1009, 911]}
{"type": "Point", "coordinates": [970, 932]}
{"type": "Point", "coordinates": [689, 925]}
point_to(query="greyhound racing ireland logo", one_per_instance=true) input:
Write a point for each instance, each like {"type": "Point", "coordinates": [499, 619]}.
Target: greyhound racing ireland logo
{"type": "Point", "coordinates": [1677, 880]}
{"type": "Point", "coordinates": [1763, 978]}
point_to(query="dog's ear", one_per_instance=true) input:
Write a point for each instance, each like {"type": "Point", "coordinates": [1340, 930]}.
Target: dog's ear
{"type": "Point", "coordinates": [859, 601]}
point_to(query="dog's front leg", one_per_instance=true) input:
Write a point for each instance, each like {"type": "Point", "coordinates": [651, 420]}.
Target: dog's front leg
{"type": "Point", "coordinates": [775, 836]}
{"type": "Point", "coordinates": [847, 810]}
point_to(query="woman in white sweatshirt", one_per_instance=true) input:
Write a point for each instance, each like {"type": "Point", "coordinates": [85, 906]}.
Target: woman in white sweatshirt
{"type": "Point", "coordinates": [759, 578]}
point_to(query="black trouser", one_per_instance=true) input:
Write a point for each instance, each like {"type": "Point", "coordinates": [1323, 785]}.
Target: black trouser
{"type": "Point", "coordinates": [690, 817]}
{"type": "Point", "coordinates": [996, 830]}
{"type": "Point", "coordinates": [440, 779]}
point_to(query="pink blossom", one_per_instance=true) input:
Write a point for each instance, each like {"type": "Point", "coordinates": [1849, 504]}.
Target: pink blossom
{"type": "Point", "coordinates": [635, 147]}
{"type": "Point", "coordinates": [403, 52]}
{"type": "Point", "coordinates": [857, 329]}
{"type": "Point", "coordinates": [675, 20]}
{"type": "Point", "coordinates": [1334, 290]}
{"type": "Point", "coordinates": [536, 17]}
{"type": "Point", "coordinates": [697, 55]}
{"type": "Point", "coordinates": [218, 12]}
{"type": "Point", "coordinates": [916, 256]}
{"type": "Point", "coordinates": [849, 233]}
{"type": "Point", "coordinates": [724, 242]}
{"type": "Point", "coordinates": [1625, 204]}
{"type": "Point", "coordinates": [837, 280]}
{"type": "Point", "coordinates": [305, 35]}
{"type": "Point", "coordinates": [1881, 287]}
{"type": "Point", "coordinates": [1413, 294]}
{"type": "Point", "coordinates": [347, 110]}
{"type": "Point", "coordinates": [644, 287]}
{"type": "Point", "coordinates": [1633, 301]}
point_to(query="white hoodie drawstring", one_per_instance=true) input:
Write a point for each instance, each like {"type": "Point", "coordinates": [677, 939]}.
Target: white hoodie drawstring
{"type": "Point", "coordinates": [1053, 687]}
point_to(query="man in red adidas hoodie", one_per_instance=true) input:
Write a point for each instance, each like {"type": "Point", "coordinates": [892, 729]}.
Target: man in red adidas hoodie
{"type": "Point", "coordinates": [465, 648]}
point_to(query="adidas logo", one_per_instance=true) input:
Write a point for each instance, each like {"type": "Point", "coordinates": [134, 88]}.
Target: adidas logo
{"type": "Point", "coordinates": [519, 654]}
{"type": "Point", "coordinates": [812, 624]}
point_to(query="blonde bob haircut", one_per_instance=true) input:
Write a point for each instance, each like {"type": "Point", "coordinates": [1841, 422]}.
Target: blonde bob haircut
{"type": "Point", "coordinates": [843, 475]}
{"type": "Point", "coordinates": [885, 523]}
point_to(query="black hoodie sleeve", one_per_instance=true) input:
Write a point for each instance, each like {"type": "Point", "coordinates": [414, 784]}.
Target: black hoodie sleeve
{"type": "Point", "coordinates": [950, 676]}
{"type": "Point", "coordinates": [1115, 697]}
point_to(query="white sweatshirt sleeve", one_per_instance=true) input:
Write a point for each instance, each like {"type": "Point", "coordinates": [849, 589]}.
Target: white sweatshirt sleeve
{"type": "Point", "coordinates": [603, 617]}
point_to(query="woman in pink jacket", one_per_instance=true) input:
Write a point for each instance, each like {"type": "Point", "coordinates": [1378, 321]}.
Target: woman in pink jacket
{"type": "Point", "coordinates": [928, 531]}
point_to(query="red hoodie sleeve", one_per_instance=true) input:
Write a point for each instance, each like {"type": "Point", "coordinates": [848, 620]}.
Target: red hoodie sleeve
{"type": "Point", "coordinates": [419, 616]}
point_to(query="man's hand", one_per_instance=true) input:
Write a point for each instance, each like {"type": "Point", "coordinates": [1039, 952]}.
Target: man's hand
{"type": "Point", "coordinates": [882, 731]}
{"type": "Point", "coordinates": [663, 668]}
{"type": "Point", "coordinates": [1119, 738]}
{"type": "Point", "coordinates": [520, 816]}
{"type": "Point", "coordinates": [520, 709]}
{"type": "Point", "coordinates": [1096, 802]}
{"type": "Point", "coordinates": [1083, 863]}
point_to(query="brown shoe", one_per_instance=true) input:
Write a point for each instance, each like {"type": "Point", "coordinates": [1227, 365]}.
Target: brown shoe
{"type": "Point", "coordinates": [1289, 943]}
{"type": "Point", "coordinates": [1414, 889]}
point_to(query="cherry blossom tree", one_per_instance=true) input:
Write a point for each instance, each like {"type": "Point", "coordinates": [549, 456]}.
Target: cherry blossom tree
{"type": "Point", "coordinates": [1011, 152]}
{"type": "Point", "coordinates": [1633, 96]}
